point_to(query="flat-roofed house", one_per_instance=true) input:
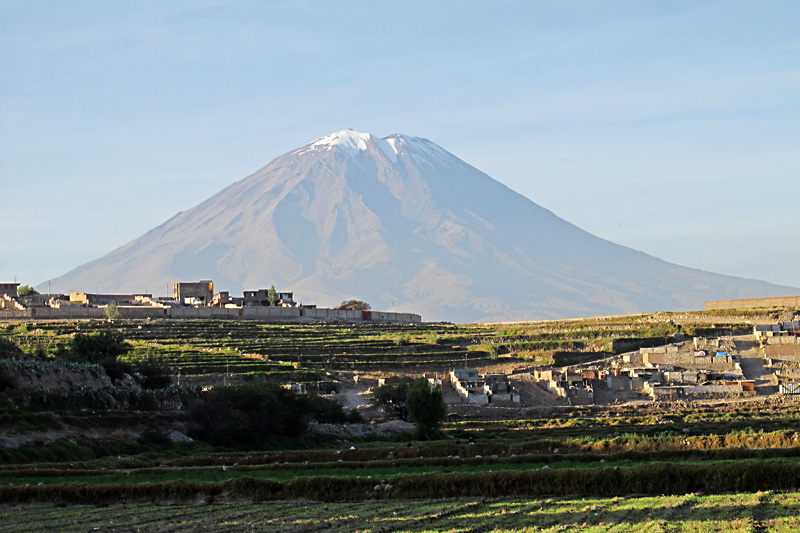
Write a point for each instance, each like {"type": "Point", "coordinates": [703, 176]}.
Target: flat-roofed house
{"type": "Point", "coordinates": [8, 289]}
{"type": "Point", "coordinates": [194, 292]}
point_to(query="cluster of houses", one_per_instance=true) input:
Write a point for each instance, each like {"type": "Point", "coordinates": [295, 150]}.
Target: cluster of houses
{"type": "Point", "coordinates": [702, 368]}
{"type": "Point", "coordinates": [698, 369]}
{"type": "Point", "coordinates": [194, 299]}
{"type": "Point", "coordinates": [781, 347]}
{"type": "Point", "coordinates": [192, 293]}
{"type": "Point", "coordinates": [475, 388]}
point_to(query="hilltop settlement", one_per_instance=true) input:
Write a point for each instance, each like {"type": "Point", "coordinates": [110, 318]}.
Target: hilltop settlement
{"type": "Point", "coordinates": [601, 361]}
{"type": "Point", "coordinates": [195, 300]}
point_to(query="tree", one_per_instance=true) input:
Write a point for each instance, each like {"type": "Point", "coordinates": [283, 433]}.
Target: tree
{"type": "Point", "coordinates": [357, 305]}
{"type": "Point", "coordinates": [112, 310]}
{"type": "Point", "coordinates": [26, 290]}
{"type": "Point", "coordinates": [272, 296]}
{"type": "Point", "coordinates": [101, 348]}
{"type": "Point", "coordinates": [98, 347]}
{"type": "Point", "coordinates": [426, 408]}
{"type": "Point", "coordinates": [391, 397]}
{"type": "Point", "coordinates": [255, 415]}
{"type": "Point", "coordinates": [153, 372]}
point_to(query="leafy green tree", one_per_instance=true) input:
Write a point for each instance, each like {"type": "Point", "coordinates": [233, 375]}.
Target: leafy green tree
{"type": "Point", "coordinates": [112, 310]}
{"type": "Point", "coordinates": [153, 372]}
{"type": "Point", "coordinates": [98, 347]}
{"type": "Point", "coordinates": [101, 348]}
{"type": "Point", "coordinates": [247, 416]}
{"type": "Point", "coordinates": [324, 410]}
{"type": "Point", "coordinates": [357, 305]}
{"type": "Point", "coordinates": [391, 396]}
{"type": "Point", "coordinates": [254, 415]}
{"type": "Point", "coordinates": [426, 408]}
{"type": "Point", "coordinates": [26, 290]}
{"type": "Point", "coordinates": [272, 296]}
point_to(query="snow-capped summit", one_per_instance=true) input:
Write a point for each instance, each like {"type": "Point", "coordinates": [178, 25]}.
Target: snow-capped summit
{"type": "Point", "coordinates": [403, 224]}
{"type": "Point", "coordinates": [355, 141]}
{"type": "Point", "coordinates": [346, 138]}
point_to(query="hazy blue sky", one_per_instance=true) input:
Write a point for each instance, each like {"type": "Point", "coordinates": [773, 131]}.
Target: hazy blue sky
{"type": "Point", "coordinates": [670, 127]}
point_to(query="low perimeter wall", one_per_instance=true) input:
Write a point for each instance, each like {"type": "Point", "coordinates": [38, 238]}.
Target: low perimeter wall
{"type": "Point", "coordinates": [783, 348]}
{"type": "Point", "coordinates": [754, 303]}
{"type": "Point", "coordinates": [217, 313]}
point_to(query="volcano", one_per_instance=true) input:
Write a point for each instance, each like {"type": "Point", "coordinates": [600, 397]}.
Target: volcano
{"type": "Point", "coordinates": [403, 224]}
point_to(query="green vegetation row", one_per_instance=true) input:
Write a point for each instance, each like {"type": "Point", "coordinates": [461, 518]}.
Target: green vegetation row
{"type": "Point", "coordinates": [650, 479]}
{"type": "Point", "coordinates": [736, 512]}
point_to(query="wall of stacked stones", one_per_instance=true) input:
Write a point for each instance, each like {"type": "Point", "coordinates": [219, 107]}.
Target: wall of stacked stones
{"type": "Point", "coordinates": [754, 303]}
{"type": "Point", "coordinates": [292, 314]}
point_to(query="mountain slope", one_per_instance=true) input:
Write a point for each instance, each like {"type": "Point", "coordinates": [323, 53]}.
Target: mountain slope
{"type": "Point", "coordinates": [403, 224]}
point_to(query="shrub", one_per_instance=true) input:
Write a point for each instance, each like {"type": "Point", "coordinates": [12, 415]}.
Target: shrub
{"type": "Point", "coordinates": [357, 305]}
{"type": "Point", "coordinates": [101, 348]}
{"type": "Point", "coordinates": [154, 373]}
{"type": "Point", "coordinates": [391, 396]}
{"type": "Point", "coordinates": [98, 347]}
{"type": "Point", "coordinates": [7, 380]}
{"type": "Point", "coordinates": [9, 349]}
{"type": "Point", "coordinates": [112, 311]}
{"type": "Point", "coordinates": [324, 410]}
{"type": "Point", "coordinates": [354, 417]}
{"type": "Point", "coordinates": [248, 416]}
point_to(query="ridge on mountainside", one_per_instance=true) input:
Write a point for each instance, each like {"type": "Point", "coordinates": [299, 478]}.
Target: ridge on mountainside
{"type": "Point", "coordinates": [405, 225]}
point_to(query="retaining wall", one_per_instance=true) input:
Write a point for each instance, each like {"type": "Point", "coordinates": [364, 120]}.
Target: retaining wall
{"type": "Point", "coordinates": [784, 348]}
{"type": "Point", "coordinates": [294, 314]}
{"type": "Point", "coordinates": [754, 303]}
{"type": "Point", "coordinates": [687, 360]}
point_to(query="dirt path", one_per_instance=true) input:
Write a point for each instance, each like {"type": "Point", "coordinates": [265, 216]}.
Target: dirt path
{"type": "Point", "coordinates": [753, 365]}
{"type": "Point", "coordinates": [354, 397]}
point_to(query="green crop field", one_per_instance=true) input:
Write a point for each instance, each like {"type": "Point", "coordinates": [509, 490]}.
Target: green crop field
{"type": "Point", "coordinates": [737, 512]}
{"type": "Point", "coordinates": [80, 458]}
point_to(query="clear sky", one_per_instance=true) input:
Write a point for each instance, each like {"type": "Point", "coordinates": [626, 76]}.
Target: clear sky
{"type": "Point", "coordinates": [672, 127]}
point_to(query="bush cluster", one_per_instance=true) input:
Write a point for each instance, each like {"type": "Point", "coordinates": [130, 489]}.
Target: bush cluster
{"type": "Point", "coordinates": [256, 415]}
{"type": "Point", "coordinates": [101, 348]}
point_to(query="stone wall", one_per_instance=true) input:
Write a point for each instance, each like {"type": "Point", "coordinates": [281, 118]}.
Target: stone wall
{"type": "Point", "coordinates": [669, 355]}
{"type": "Point", "coordinates": [784, 348]}
{"type": "Point", "coordinates": [294, 314]}
{"type": "Point", "coordinates": [754, 303]}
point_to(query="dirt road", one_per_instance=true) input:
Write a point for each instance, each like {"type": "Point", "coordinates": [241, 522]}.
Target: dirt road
{"type": "Point", "coordinates": [753, 365]}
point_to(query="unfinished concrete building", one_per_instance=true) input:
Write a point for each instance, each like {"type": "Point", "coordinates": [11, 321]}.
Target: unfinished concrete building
{"type": "Point", "coordinates": [475, 388]}
{"type": "Point", "coordinates": [9, 289]}
{"type": "Point", "coordinates": [193, 292]}
{"type": "Point", "coordinates": [261, 298]}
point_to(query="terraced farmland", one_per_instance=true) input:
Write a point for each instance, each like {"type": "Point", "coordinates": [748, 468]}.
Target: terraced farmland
{"type": "Point", "coordinates": [737, 512]}
{"type": "Point", "coordinates": [287, 351]}
{"type": "Point", "coordinates": [680, 471]}
{"type": "Point", "coordinates": [680, 468]}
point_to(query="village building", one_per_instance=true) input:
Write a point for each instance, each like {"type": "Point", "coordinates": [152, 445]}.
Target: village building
{"type": "Point", "coordinates": [221, 299]}
{"type": "Point", "coordinates": [8, 289]}
{"type": "Point", "coordinates": [261, 298]}
{"type": "Point", "coordinates": [97, 300]}
{"type": "Point", "coordinates": [194, 292]}
{"type": "Point", "coordinates": [475, 388]}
